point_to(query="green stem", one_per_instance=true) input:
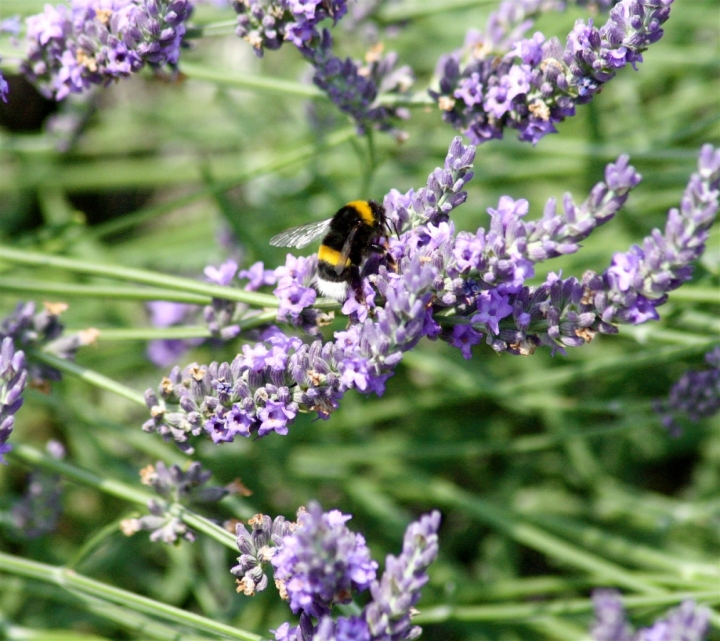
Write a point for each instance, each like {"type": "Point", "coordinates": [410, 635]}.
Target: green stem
{"type": "Point", "coordinates": [34, 457]}
{"type": "Point", "coordinates": [150, 333]}
{"type": "Point", "coordinates": [534, 537]}
{"type": "Point", "coordinates": [70, 580]}
{"type": "Point", "coordinates": [88, 375]}
{"type": "Point", "coordinates": [136, 275]}
{"type": "Point", "coordinates": [123, 617]}
{"type": "Point", "coordinates": [259, 83]}
{"type": "Point", "coordinates": [173, 333]}
{"type": "Point", "coordinates": [519, 611]}
{"type": "Point", "coordinates": [117, 292]}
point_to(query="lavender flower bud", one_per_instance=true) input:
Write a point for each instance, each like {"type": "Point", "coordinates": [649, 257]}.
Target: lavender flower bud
{"type": "Point", "coordinates": [175, 486]}
{"type": "Point", "coordinates": [257, 548]}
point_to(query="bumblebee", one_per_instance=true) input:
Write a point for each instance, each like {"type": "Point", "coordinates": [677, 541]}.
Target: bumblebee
{"type": "Point", "coordinates": [348, 238]}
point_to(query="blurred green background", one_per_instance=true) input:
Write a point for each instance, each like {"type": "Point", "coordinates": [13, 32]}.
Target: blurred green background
{"type": "Point", "coordinates": [161, 176]}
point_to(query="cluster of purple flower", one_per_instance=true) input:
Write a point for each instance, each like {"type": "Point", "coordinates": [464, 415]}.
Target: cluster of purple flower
{"type": "Point", "coordinates": [25, 328]}
{"type": "Point", "coordinates": [500, 79]}
{"type": "Point", "coordinates": [94, 42]}
{"type": "Point", "coordinates": [459, 288]}
{"type": "Point", "coordinates": [266, 25]}
{"type": "Point", "coordinates": [687, 622]}
{"type": "Point", "coordinates": [174, 486]}
{"type": "Point", "coordinates": [354, 88]}
{"type": "Point", "coordinates": [696, 395]}
{"type": "Point", "coordinates": [318, 563]}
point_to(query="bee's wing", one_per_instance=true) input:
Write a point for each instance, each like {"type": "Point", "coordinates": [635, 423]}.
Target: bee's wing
{"type": "Point", "coordinates": [301, 235]}
{"type": "Point", "coordinates": [345, 253]}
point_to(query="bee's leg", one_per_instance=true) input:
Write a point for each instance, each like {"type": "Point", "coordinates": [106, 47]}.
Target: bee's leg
{"type": "Point", "coordinates": [385, 251]}
{"type": "Point", "coordinates": [356, 283]}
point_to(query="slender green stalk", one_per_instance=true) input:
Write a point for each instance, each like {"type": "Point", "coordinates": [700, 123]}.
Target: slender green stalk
{"type": "Point", "coordinates": [534, 537]}
{"type": "Point", "coordinates": [257, 83]}
{"type": "Point", "coordinates": [425, 8]}
{"type": "Point", "coordinates": [180, 332]}
{"type": "Point", "coordinates": [630, 552]}
{"type": "Point", "coordinates": [35, 457]}
{"type": "Point", "coordinates": [115, 292]}
{"type": "Point", "coordinates": [88, 375]}
{"type": "Point", "coordinates": [696, 294]}
{"type": "Point", "coordinates": [150, 333]}
{"type": "Point", "coordinates": [516, 612]}
{"type": "Point", "coordinates": [125, 618]}
{"type": "Point", "coordinates": [70, 580]}
{"type": "Point", "coordinates": [22, 257]}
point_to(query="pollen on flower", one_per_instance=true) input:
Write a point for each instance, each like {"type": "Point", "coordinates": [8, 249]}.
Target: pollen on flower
{"type": "Point", "coordinates": [585, 333]}
{"type": "Point", "coordinates": [130, 526]}
{"type": "Point", "coordinates": [55, 309]}
{"type": "Point", "coordinates": [282, 589]}
{"type": "Point", "coordinates": [197, 372]}
{"type": "Point", "coordinates": [446, 103]}
{"type": "Point", "coordinates": [539, 109]}
{"type": "Point", "coordinates": [148, 474]}
{"type": "Point", "coordinates": [103, 15]}
{"type": "Point", "coordinates": [86, 61]}
{"type": "Point", "coordinates": [245, 585]}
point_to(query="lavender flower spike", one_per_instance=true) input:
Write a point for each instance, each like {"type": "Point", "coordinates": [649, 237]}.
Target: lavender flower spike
{"type": "Point", "coordinates": [687, 622]}
{"type": "Point", "coordinates": [500, 80]}
{"type": "Point", "coordinates": [322, 561]}
{"type": "Point", "coordinates": [13, 378]}
{"type": "Point", "coordinates": [640, 280]}
{"type": "Point", "coordinates": [394, 596]}
{"type": "Point", "coordinates": [94, 42]}
{"type": "Point", "coordinates": [696, 395]}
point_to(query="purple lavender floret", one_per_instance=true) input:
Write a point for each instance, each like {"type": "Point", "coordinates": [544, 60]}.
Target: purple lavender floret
{"type": "Point", "coordinates": [688, 622]}
{"type": "Point", "coordinates": [44, 329]}
{"type": "Point", "coordinates": [266, 24]}
{"type": "Point", "coordinates": [355, 89]}
{"type": "Point", "coordinates": [257, 547]}
{"type": "Point", "coordinates": [501, 80]}
{"type": "Point", "coordinates": [13, 379]}
{"type": "Point", "coordinates": [322, 562]}
{"type": "Point", "coordinates": [319, 563]}
{"type": "Point", "coordinates": [696, 395]}
{"type": "Point", "coordinates": [174, 486]}
{"type": "Point", "coordinates": [94, 42]}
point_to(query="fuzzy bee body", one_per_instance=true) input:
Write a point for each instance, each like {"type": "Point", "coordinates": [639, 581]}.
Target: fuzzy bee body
{"type": "Point", "coordinates": [348, 237]}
